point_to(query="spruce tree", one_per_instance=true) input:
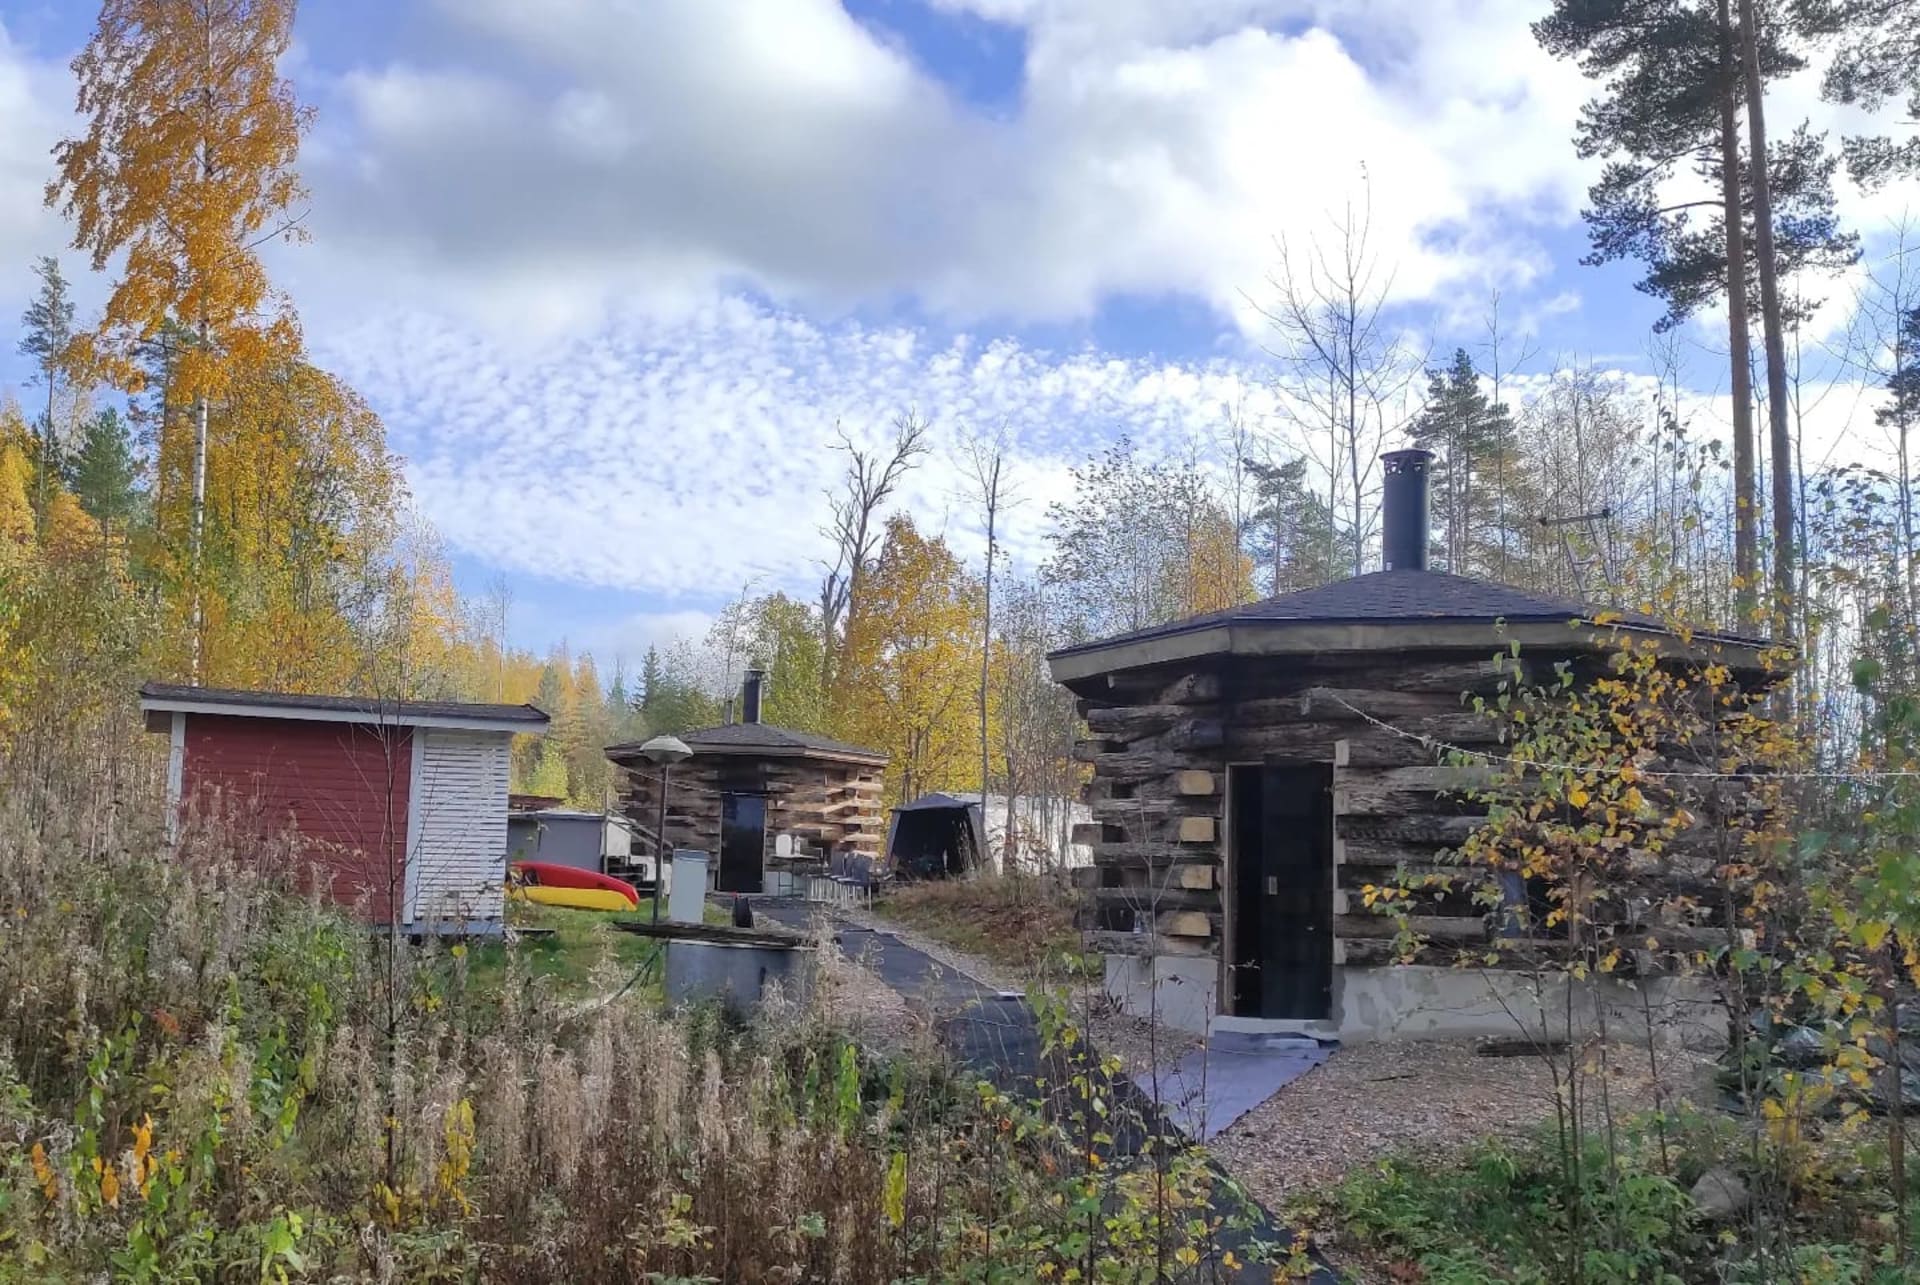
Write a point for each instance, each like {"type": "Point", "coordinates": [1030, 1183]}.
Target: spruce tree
{"type": "Point", "coordinates": [1467, 432]}
{"type": "Point", "coordinates": [103, 474]}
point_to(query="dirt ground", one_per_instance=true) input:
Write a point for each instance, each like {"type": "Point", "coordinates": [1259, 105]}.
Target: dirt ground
{"type": "Point", "coordinates": [1368, 1101]}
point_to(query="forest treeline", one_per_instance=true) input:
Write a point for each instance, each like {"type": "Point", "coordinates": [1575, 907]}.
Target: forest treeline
{"type": "Point", "coordinates": [184, 493]}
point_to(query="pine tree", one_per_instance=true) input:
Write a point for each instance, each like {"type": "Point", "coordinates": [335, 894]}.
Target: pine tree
{"type": "Point", "coordinates": [1876, 60]}
{"type": "Point", "coordinates": [1467, 432]}
{"type": "Point", "coordinates": [1675, 84]}
{"type": "Point", "coordinates": [103, 474]}
{"type": "Point", "coordinates": [48, 322]}
{"type": "Point", "coordinates": [1291, 528]}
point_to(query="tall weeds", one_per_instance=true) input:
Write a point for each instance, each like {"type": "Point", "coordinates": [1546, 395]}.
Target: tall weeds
{"type": "Point", "coordinates": [196, 1084]}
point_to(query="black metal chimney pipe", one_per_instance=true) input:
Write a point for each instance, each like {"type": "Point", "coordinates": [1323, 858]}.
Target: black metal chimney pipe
{"type": "Point", "coordinates": [750, 690]}
{"type": "Point", "coordinates": [1404, 518]}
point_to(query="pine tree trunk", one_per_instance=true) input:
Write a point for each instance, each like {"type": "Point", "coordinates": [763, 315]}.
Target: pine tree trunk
{"type": "Point", "coordinates": [1779, 440]}
{"type": "Point", "coordinates": [1746, 560]}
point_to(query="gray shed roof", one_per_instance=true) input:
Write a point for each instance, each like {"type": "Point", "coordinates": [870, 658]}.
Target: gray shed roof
{"type": "Point", "coordinates": [763, 739]}
{"type": "Point", "coordinates": [1378, 600]}
{"type": "Point", "coordinates": [183, 698]}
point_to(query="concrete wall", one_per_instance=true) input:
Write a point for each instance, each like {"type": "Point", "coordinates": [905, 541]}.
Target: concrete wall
{"type": "Point", "coordinates": [1413, 1002]}
{"type": "Point", "coordinates": [1179, 991]}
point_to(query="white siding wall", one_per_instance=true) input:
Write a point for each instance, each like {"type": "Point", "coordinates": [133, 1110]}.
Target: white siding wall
{"type": "Point", "coordinates": [457, 826]}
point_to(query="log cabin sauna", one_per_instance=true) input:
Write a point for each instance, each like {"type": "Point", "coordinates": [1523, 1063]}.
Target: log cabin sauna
{"type": "Point", "coordinates": [1253, 769]}
{"type": "Point", "coordinates": [767, 804]}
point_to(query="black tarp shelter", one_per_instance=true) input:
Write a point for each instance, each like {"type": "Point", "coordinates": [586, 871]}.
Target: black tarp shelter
{"type": "Point", "coordinates": [937, 836]}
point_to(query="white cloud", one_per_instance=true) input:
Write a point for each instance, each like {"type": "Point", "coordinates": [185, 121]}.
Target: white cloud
{"type": "Point", "coordinates": [681, 458]}
{"type": "Point", "coordinates": [33, 116]}
{"type": "Point", "coordinates": [628, 638]}
{"type": "Point", "coordinates": [662, 150]}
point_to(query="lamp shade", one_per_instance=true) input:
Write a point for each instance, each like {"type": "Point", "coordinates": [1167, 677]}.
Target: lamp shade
{"type": "Point", "coordinates": [666, 750]}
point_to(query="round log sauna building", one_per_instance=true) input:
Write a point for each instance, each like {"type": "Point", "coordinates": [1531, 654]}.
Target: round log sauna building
{"type": "Point", "coordinates": [1243, 793]}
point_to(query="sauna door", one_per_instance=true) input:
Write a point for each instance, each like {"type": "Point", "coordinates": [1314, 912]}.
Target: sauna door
{"type": "Point", "coordinates": [743, 843]}
{"type": "Point", "coordinates": [1282, 836]}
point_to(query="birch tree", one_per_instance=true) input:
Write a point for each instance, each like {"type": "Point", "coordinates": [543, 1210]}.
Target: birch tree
{"type": "Point", "coordinates": [1348, 369]}
{"type": "Point", "coordinates": [185, 169]}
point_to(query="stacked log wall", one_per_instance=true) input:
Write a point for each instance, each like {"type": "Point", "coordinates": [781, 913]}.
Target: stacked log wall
{"type": "Point", "coordinates": [1160, 744]}
{"type": "Point", "coordinates": [833, 804]}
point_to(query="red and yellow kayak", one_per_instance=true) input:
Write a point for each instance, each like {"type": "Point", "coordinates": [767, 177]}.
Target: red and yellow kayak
{"type": "Point", "coordinates": [548, 884]}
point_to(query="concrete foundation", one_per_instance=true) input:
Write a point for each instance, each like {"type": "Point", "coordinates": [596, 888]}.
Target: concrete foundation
{"type": "Point", "coordinates": [1178, 991]}
{"type": "Point", "coordinates": [1417, 1001]}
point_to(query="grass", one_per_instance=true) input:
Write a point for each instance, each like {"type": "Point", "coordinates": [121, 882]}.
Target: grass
{"type": "Point", "coordinates": [1022, 922]}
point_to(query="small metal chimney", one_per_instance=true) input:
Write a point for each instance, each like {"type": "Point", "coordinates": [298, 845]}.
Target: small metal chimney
{"type": "Point", "coordinates": [1404, 518]}
{"type": "Point", "coordinates": [751, 689]}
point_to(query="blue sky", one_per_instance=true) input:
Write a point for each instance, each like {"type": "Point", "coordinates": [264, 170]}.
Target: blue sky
{"type": "Point", "coordinates": [614, 270]}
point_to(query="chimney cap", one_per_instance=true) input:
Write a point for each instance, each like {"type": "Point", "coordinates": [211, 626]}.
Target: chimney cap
{"type": "Point", "coordinates": [1405, 457]}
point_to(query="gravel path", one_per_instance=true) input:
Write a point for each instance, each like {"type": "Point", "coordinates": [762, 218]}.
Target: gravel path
{"type": "Point", "coordinates": [1371, 1100]}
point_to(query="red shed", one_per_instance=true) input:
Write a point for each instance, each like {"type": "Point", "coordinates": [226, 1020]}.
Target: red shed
{"type": "Point", "coordinates": [373, 789]}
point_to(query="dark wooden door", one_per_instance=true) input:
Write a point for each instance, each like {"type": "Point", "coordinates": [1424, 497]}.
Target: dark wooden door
{"type": "Point", "coordinates": [1297, 892]}
{"type": "Point", "coordinates": [743, 843]}
{"type": "Point", "coordinates": [1283, 890]}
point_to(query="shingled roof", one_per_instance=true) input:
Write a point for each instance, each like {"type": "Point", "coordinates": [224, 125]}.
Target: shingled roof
{"type": "Point", "coordinates": [1388, 599]}
{"type": "Point", "coordinates": [758, 738]}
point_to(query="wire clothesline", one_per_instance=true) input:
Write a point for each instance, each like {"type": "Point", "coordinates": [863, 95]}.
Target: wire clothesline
{"type": "Point", "coordinates": [1434, 742]}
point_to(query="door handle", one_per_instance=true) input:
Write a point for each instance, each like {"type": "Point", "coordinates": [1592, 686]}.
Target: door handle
{"type": "Point", "coordinates": [1273, 885]}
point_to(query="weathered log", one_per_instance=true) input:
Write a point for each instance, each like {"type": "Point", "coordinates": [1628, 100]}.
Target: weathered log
{"type": "Point", "coordinates": [1195, 830]}
{"type": "Point", "coordinates": [1125, 811]}
{"type": "Point", "coordinates": [1143, 765]}
{"type": "Point", "coordinates": [1338, 704]}
{"type": "Point", "coordinates": [1135, 852]}
{"type": "Point", "coordinates": [1146, 944]}
{"type": "Point", "coordinates": [1443, 778]}
{"type": "Point", "coordinates": [1183, 923]}
{"type": "Point", "coordinates": [1131, 722]}
{"type": "Point", "coordinates": [1419, 828]}
{"type": "Point", "coordinates": [1433, 927]}
{"type": "Point", "coordinates": [1192, 689]}
{"type": "Point", "coordinates": [1353, 875]}
{"type": "Point", "coordinates": [1157, 899]}
{"type": "Point", "coordinates": [1367, 747]}
{"type": "Point", "coordinates": [1194, 734]}
{"type": "Point", "coordinates": [1366, 797]}
{"type": "Point", "coordinates": [1091, 750]}
{"type": "Point", "coordinates": [1155, 857]}
{"type": "Point", "coordinates": [1440, 677]}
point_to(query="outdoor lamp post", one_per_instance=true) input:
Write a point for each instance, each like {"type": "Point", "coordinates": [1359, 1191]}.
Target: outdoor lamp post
{"type": "Point", "coordinates": [664, 752]}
